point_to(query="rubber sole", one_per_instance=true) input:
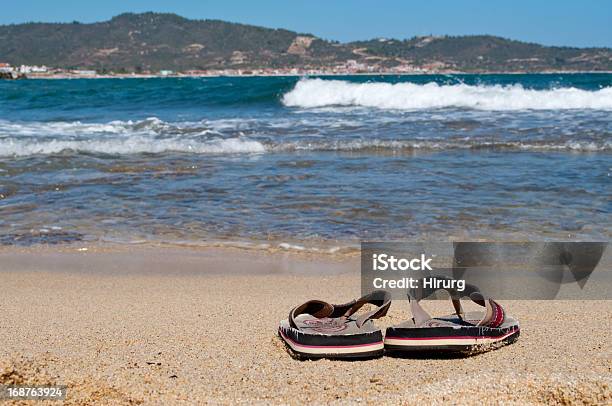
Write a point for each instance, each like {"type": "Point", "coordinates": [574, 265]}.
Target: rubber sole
{"type": "Point", "coordinates": [370, 350]}
{"type": "Point", "coordinates": [449, 343]}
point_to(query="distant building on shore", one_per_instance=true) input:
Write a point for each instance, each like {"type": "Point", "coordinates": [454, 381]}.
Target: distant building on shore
{"type": "Point", "coordinates": [25, 69]}
{"type": "Point", "coordinates": [81, 72]}
{"type": "Point", "coordinates": [5, 67]}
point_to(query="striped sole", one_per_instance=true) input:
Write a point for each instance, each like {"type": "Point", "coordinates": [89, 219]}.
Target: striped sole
{"type": "Point", "coordinates": [335, 351]}
{"type": "Point", "coordinates": [458, 343]}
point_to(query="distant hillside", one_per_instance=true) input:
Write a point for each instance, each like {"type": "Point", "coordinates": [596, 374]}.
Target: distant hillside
{"type": "Point", "coordinates": [488, 53]}
{"type": "Point", "coordinates": [152, 41]}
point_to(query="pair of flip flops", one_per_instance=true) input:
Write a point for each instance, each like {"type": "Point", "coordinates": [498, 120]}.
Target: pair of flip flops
{"type": "Point", "coordinates": [317, 329]}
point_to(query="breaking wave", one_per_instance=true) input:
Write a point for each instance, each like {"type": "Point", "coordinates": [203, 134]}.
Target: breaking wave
{"type": "Point", "coordinates": [237, 136]}
{"type": "Point", "coordinates": [118, 137]}
{"type": "Point", "coordinates": [133, 145]}
{"type": "Point", "coordinates": [310, 93]}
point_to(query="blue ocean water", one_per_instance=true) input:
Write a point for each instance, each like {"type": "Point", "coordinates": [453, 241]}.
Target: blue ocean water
{"type": "Point", "coordinates": [311, 161]}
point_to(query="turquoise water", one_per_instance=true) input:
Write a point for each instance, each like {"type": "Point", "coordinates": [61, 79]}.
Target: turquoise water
{"type": "Point", "coordinates": [313, 162]}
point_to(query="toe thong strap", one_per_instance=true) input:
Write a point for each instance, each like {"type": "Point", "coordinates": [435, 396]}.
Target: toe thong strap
{"type": "Point", "coordinates": [494, 314]}
{"type": "Point", "coordinates": [379, 298]}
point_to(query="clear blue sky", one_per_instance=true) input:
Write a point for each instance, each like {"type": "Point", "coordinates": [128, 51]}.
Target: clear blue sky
{"type": "Point", "coordinates": [550, 22]}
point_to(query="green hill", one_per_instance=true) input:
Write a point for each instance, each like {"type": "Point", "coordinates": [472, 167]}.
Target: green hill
{"type": "Point", "coordinates": [152, 41]}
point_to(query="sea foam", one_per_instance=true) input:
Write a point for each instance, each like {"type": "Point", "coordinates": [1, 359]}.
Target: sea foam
{"type": "Point", "coordinates": [118, 137]}
{"type": "Point", "coordinates": [310, 93]}
{"type": "Point", "coordinates": [132, 145]}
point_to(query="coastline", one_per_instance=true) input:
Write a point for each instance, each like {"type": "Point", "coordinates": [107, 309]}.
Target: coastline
{"type": "Point", "coordinates": [330, 74]}
{"type": "Point", "coordinates": [132, 325]}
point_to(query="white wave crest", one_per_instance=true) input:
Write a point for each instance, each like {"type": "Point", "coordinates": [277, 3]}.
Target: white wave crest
{"type": "Point", "coordinates": [310, 93]}
{"type": "Point", "coordinates": [132, 145]}
{"type": "Point", "coordinates": [151, 125]}
{"type": "Point", "coordinates": [118, 137]}
{"type": "Point", "coordinates": [439, 145]}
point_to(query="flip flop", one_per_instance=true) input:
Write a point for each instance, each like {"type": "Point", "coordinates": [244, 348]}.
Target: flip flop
{"type": "Point", "coordinates": [317, 329]}
{"type": "Point", "coordinates": [459, 332]}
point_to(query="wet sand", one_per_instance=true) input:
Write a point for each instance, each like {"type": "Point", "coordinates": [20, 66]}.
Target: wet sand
{"type": "Point", "coordinates": [165, 325]}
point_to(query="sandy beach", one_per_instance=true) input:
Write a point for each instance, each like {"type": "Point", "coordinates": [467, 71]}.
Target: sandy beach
{"type": "Point", "coordinates": [161, 325]}
{"type": "Point", "coordinates": [198, 199]}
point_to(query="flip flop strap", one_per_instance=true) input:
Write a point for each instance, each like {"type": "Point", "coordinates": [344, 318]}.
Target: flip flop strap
{"type": "Point", "coordinates": [316, 308]}
{"type": "Point", "coordinates": [494, 315]}
{"type": "Point", "coordinates": [379, 298]}
{"type": "Point", "coordinates": [320, 309]}
{"type": "Point", "coordinates": [420, 315]}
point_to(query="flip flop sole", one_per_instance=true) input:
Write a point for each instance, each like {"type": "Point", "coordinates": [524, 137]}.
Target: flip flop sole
{"type": "Point", "coordinates": [362, 350]}
{"type": "Point", "coordinates": [457, 343]}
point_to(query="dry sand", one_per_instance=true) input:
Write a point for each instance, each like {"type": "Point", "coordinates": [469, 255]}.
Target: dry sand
{"type": "Point", "coordinates": [165, 326]}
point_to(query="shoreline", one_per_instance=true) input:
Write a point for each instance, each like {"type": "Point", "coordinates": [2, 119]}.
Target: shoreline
{"type": "Point", "coordinates": [123, 325]}
{"type": "Point", "coordinates": [328, 248]}
{"type": "Point", "coordinates": [331, 74]}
